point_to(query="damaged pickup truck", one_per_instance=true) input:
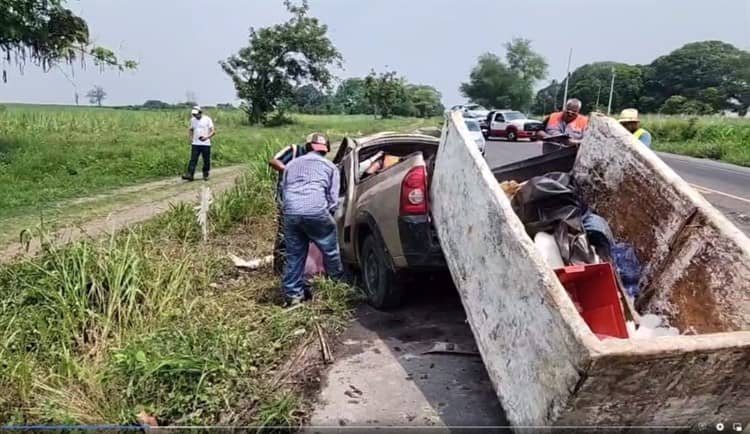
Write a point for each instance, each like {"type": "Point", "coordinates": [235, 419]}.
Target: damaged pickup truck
{"type": "Point", "coordinates": [384, 225]}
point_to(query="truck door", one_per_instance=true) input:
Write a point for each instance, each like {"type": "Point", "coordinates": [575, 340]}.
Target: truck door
{"type": "Point", "coordinates": [498, 125]}
{"type": "Point", "coordinates": [346, 165]}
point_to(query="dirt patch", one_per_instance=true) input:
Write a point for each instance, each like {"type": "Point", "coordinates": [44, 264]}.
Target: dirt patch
{"type": "Point", "coordinates": [107, 213]}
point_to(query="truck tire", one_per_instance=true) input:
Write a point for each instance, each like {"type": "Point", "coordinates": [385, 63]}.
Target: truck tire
{"type": "Point", "coordinates": [512, 135]}
{"type": "Point", "coordinates": [382, 286]}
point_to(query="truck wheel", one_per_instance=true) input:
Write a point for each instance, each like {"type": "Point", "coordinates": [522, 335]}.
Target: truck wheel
{"type": "Point", "coordinates": [379, 282]}
{"type": "Point", "coordinates": [512, 136]}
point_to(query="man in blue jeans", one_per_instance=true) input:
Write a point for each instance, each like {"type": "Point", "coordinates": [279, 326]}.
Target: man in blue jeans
{"type": "Point", "coordinates": [310, 191]}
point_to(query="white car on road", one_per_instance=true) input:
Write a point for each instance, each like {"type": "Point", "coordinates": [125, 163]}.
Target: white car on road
{"type": "Point", "coordinates": [476, 133]}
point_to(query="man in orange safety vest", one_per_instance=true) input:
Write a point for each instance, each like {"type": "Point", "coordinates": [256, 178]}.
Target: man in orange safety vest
{"type": "Point", "coordinates": [569, 122]}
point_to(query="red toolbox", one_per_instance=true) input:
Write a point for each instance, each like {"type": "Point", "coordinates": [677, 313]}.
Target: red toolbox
{"type": "Point", "coordinates": [593, 288]}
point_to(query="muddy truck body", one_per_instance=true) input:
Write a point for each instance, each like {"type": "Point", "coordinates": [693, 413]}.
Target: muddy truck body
{"type": "Point", "coordinates": [545, 363]}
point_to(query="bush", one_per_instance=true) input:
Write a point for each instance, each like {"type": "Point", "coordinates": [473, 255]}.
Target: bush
{"type": "Point", "coordinates": [677, 104]}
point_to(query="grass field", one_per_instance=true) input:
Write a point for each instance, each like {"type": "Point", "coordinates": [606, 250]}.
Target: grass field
{"type": "Point", "coordinates": [718, 138]}
{"type": "Point", "coordinates": [49, 154]}
{"type": "Point", "coordinates": [153, 319]}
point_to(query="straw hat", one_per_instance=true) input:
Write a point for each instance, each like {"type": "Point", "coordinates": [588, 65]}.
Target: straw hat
{"type": "Point", "coordinates": [629, 115]}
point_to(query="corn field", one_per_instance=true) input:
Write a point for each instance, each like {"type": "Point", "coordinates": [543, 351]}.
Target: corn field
{"type": "Point", "coordinates": [50, 154]}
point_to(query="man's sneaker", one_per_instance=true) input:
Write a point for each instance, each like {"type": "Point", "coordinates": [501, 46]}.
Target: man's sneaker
{"type": "Point", "coordinates": [293, 301]}
{"type": "Point", "coordinates": [187, 177]}
{"type": "Point", "coordinates": [205, 177]}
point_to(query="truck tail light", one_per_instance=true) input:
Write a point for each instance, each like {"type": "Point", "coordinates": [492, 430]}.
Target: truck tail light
{"type": "Point", "coordinates": [414, 192]}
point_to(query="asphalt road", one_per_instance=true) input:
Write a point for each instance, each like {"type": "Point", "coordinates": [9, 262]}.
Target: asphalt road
{"type": "Point", "coordinates": [726, 186]}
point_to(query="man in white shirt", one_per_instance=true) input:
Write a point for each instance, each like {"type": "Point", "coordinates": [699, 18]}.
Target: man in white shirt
{"type": "Point", "coordinates": [201, 131]}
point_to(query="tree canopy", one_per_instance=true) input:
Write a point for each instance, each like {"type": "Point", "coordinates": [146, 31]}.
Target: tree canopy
{"type": "Point", "coordinates": [46, 33]}
{"type": "Point", "coordinates": [492, 83]}
{"type": "Point", "coordinates": [591, 83]}
{"type": "Point", "coordinates": [350, 97]}
{"type": "Point", "coordinates": [384, 92]}
{"type": "Point", "coordinates": [278, 58]}
{"type": "Point", "coordinates": [715, 67]}
{"type": "Point", "coordinates": [700, 77]}
{"type": "Point", "coordinates": [425, 100]}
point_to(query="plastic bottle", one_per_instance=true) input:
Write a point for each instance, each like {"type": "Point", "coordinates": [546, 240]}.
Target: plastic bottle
{"type": "Point", "coordinates": [547, 247]}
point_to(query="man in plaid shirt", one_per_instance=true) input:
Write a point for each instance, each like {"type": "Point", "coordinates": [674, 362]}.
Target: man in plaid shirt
{"type": "Point", "coordinates": [278, 163]}
{"type": "Point", "coordinates": [310, 197]}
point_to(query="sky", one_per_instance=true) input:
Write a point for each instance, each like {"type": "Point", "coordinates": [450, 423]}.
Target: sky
{"type": "Point", "coordinates": [178, 43]}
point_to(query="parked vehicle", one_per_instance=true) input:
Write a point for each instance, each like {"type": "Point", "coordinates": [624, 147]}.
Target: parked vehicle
{"type": "Point", "coordinates": [384, 225]}
{"type": "Point", "coordinates": [475, 131]}
{"type": "Point", "coordinates": [476, 111]}
{"type": "Point", "coordinates": [511, 124]}
{"type": "Point", "coordinates": [473, 111]}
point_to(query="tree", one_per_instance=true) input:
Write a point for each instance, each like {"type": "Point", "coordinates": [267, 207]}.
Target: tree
{"type": "Point", "coordinates": [491, 83]}
{"type": "Point", "coordinates": [548, 99]}
{"type": "Point", "coordinates": [425, 100]}
{"type": "Point", "coordinates": [384, 92]}
{"type": "Point", "coordinates": [692, 69]}
{"type": "Point", "coordinates": [350, 97]}
{"type": "Point", "coordinates": [591, 83]}
{"type": "Point", "coordinates": [278, 58]}
{"type": "Point", "coordinates": [494, 84]}
{"type": "Point", "coordinates": [309, 99]}
{"type": "Point", "coordinates": [46, 33]}
{"type": "Point", "coordinates": [530, 66]}
{"type": "Point", "coordinates": [96, 95]}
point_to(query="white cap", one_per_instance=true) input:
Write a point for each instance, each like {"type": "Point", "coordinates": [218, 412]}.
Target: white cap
{"type": "Point", "coordinates": [196, 109]}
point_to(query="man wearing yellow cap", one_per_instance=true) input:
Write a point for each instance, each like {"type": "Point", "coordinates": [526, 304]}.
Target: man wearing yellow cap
{"type": "Point", "coordinates": [629, 120]}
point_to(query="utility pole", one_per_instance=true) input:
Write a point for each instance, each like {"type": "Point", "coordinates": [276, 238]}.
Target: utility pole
{"type": "Point", "coordinates": [554, 101]}
{"type": "Point", "coordinates": [611, 91]}
{"type": "Point", "coordinates": [567, 79]}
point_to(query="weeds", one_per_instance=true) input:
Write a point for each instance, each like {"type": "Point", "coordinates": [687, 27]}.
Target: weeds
{"type": "Point", "coordinates": [714, 137]}
{"type": "Point", "coordinates": [152, 320]}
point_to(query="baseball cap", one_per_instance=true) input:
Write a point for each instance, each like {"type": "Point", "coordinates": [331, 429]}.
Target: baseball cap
{"type": "Point", "coordinates": [317, 142]}
{"type": "Point", "coordinates": [196, 109]}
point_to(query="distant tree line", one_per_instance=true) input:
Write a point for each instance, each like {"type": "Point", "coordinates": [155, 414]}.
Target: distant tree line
{"type": "Point", "coordinates": [379, 94]}
{"type": "Point", "coordinates": [155, 104]}
{"type": "Point", "coordinates": [699, 78]}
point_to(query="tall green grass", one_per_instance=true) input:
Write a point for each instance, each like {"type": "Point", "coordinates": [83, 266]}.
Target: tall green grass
{"type": "Point", "coordinates": [153, 320]}
{"type": "Point", "coordinates": [718, 138]}
{"type": "Point", "coordinates": [51, 154]}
